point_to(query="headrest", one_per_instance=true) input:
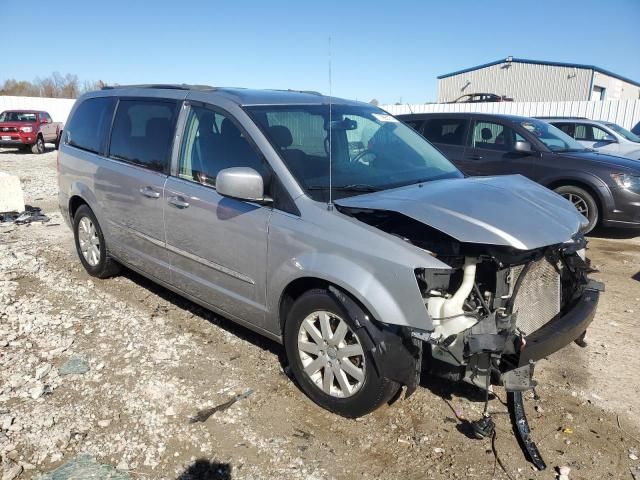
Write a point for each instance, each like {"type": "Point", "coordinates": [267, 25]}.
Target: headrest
{"type": "Point", "coordinates": [228, 129]}
{"type": "Point", "coordinates": [486, 133]}
{"type": "Point", "coordinates": [205, 121]}
{"type": "Point", "coordinates": [157, 127]}
{"type": "Point", "coordinates": [281, 136]}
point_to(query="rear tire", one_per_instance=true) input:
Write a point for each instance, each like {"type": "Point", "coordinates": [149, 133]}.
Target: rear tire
{"type": "Point", "coordinates": [90, 245]}
{"type": "Point", "coordinates": [38, 147]}
{"type": "Point", "coordinates": [584, 203]}
{"type": "Point", "coordinates": [328, 362]}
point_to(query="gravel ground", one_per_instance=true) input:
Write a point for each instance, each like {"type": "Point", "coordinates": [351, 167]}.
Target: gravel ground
{"type": "Point", "coordinates": [112, 370]}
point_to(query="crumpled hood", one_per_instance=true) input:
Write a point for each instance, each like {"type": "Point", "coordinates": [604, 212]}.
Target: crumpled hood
{"type": "Point", "coordinates": [507, 210]}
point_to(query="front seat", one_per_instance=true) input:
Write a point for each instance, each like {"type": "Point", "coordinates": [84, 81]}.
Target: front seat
{"type": "Point", "coordinates": [295, 159]}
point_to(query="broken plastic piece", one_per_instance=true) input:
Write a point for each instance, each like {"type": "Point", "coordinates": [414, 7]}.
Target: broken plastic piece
{"type": "Point", "coordinates": [29, 215]}
{"type": "Point", "coordinates": [203, 415]}
{"type": "Point", "coordinates": [522, 431]}
{"type": "Point", "coordinates": [483, 428]}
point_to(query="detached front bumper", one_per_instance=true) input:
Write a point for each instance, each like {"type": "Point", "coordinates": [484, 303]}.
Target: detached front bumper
{"type": "Point", "coordinates": [560, 332]}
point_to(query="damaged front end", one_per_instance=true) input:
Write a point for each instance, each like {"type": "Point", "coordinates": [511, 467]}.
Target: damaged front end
{"type": "Point", "coordinates": [498, 309]}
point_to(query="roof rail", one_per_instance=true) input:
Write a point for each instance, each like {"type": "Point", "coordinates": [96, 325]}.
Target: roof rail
{"type": "Point", "coordinates": [310, 92]}
{"type": "Point", "coordinates": [563, 118]}
{"type": "Point", "coordinates": [164, 86]}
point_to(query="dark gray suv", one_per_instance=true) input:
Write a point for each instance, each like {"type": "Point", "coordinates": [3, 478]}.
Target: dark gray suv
{"type": "Point", "coordinates": [604, 188]}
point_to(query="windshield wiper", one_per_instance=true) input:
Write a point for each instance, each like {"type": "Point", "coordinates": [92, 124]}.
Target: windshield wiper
{"type": "Point", "coordinates": [356, 187]}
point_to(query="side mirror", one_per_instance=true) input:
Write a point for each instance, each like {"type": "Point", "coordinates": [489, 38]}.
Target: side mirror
{"type": "Point", "coordinates": [609, 139]}
{"type": "Point", "coordinates": [243, 183]}
{"type": "Point", "coordinates": [523, 147]}
{"type": "Point", "coordinates": [44, 120]}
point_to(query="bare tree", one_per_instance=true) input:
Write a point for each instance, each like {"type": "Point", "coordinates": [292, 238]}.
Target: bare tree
{"type": "Point", "coordinates": [54, 86]}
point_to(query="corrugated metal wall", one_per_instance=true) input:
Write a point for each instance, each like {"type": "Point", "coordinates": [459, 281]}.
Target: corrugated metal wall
{"type": "Point", "coordinates": [623, 112]}
{"type": "Point", "coordinates": [58, 108]}
{"type": "Point", "coordinates": [524, 82]}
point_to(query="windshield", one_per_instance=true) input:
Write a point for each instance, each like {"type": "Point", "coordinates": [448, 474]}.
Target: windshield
{"type": "Point", "coordinates": [17, 117]}
{"type": "Point", "coordinates": [370, 149]}
{"type": "Point", "coordinates": [554, 138]}
{"type": "Point", "coordinates": [624, 132]}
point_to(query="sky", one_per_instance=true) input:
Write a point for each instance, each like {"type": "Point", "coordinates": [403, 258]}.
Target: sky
{"type": "Point", "coordinates": [388, 50]}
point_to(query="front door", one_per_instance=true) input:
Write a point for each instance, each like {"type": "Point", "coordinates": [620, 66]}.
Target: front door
{"type": "Point", "coordinates": [491, 151]}
{"type": "Point", "coordinates": [217, 245]}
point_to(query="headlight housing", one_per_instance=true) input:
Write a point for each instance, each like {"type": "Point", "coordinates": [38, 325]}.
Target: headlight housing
{"type": "Point", "coordinates": [627, 182]}
{"type": "Point", "coordinates": [26, 129]}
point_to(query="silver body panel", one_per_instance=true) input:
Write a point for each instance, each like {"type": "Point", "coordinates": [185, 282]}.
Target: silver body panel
{"type": "Point", "coordinates": [507, 210]}
{"type": "Point", "coordinates": [238, 257]}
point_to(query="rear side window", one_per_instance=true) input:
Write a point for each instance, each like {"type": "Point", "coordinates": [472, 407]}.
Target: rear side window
{"type": "Point", "coordinates": [88, 127]}
{"type": "Point", "coordinates": [143, 132]}
{"type": "Point", "coordinates": [568, 128]}
{"type": "Point", "coordinates": [450, 131]}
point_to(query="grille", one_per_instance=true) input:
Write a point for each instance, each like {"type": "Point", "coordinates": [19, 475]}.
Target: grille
{"type": "Point", "coordinates": [538, 298]}
{"type": "Point", "coordinates": [8, 129]}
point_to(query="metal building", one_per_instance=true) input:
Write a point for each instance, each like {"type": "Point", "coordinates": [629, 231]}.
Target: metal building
{"type": "Point", "coordinates": [537, 81]}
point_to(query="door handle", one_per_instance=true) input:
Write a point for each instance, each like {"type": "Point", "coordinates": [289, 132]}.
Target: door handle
{"type": "Point", "coordinates": [178, 202]}
{"type": "Point", "coordinates": [149, 192]}
{"type": "Point", "coordinates": [475, 157]}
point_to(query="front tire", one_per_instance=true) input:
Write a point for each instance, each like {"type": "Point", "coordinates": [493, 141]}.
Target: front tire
{"type": "Point", "coordinates": [38, 147]}
{"type": "Point", "coordinates": [90, 245]}
{"type": "Point", "coordinates": [584, 203]}
{"type": "Point", "coordinates": [326, 355]}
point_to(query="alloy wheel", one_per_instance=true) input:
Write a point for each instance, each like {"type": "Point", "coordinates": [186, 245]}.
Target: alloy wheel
{"type": "Point", "coordinates": [578, 202]}
{"type": "Point", "coordinates": [331, 354]}
{"type": "Point", "coordinates": [89, 241]}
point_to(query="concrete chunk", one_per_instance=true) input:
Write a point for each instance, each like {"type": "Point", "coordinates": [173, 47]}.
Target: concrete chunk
{"type": "Point", "coordinates": [11, 195]}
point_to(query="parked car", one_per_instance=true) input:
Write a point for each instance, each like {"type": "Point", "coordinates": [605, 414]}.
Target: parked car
{"type": "Point", "coordinates": [28, 129]}
{"type": "Point", "coordinates": [604, 188]}
{"type": "Point", "coordinates": [606, 137]}
{"type": "Point", "coordinates": [636, 130]}
{"type": "Point", "coordinates": [223, 196]}
{"type": "Point", "coordinates": [481, 98]}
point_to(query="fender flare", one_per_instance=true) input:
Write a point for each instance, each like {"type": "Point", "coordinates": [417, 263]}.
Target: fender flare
{"type": "Point", "coordinates": [395, 354]}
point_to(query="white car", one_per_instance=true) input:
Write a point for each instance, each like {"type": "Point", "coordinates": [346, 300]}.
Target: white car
{"type": "Point", "coordinates": [606, 137]}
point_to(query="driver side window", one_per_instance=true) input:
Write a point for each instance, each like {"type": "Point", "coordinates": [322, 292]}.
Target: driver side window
{"type": "Point", "coordinates": [213, 142]}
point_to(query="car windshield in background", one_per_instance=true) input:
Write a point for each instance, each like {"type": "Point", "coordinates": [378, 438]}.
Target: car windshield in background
{"type": "Point", "coordinates": [370, 149]}
{"type": "Point", "coordinates": [554, 138]}
{"type": "Point", "coordinates": [624, 132]}
{"type": "Point", "coordinates": [17, 117]}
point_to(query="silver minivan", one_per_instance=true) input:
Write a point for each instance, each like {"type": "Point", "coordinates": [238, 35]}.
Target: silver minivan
{"type": "Point", "coordinates": [331, 227]}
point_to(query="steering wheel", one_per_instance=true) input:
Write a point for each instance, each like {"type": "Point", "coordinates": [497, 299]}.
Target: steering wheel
{"type": "Point", "coordinates": [359, 157]}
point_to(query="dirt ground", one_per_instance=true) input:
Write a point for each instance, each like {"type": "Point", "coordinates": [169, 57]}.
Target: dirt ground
{"type": "Point", "coordinates": [154, 359]}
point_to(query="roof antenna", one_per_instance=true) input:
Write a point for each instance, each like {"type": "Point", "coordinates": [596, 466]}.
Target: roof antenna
{"type": "Point", "coordinates": [330, 204]}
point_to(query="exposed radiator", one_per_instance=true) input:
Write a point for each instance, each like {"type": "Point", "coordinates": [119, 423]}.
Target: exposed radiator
{"type": "Point", "coordinates": [538, 299]}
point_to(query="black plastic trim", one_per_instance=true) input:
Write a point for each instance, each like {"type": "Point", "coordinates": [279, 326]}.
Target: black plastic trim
{"type": "Point", "coordinates": [563, 330]}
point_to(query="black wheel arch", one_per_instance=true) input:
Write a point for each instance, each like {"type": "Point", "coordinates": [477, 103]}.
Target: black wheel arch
{"type": "Point", "coordinates": [587, 187]}
{"type": "Point", "coordinates": [396, 355]}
